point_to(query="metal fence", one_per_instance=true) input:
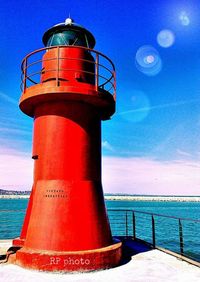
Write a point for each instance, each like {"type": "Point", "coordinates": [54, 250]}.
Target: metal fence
{"type": "Point", "coordinates": [61, 64]}
{"type": "Point", "coordinates": [180, 235]}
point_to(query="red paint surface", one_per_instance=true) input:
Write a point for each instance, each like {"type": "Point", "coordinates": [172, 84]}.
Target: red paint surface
{"type": "Point", "coordinates": [71, 261]}
{"type": "Point", "coordinates": [66, 212]}
{"type": "Point", "coordinates": [74, 64]}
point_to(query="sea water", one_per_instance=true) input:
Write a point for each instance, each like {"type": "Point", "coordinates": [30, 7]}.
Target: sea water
{"type": "Point", "coordinates": [171, 208]}
{"type": "Point", "coordinates": [12, 213]}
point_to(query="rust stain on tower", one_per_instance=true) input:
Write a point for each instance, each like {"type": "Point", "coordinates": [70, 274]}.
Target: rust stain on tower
{"type": "Point", "coordinates": [68, 88]}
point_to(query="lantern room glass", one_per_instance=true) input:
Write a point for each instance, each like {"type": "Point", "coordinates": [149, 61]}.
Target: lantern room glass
{"type": "Point", "coordinates": [68, 37]}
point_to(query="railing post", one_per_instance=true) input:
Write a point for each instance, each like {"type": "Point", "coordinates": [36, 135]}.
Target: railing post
{"type": "Point", "coordinates": [97, 71]}
{"type": "Point", "coordinates": [134, 226]}
{"type": "Point", "coordinates": [153, 231]}
{"type": "Point", "coordinates": [25, 74]}
{"type": "Point", "coordinates": [57, 71]}
{"type": "Point", "coordinates": [181, 236]}
{"type": "Point", "coordinates": [114, 76]}
{"type": "Point", "coordinates": [126, 224]}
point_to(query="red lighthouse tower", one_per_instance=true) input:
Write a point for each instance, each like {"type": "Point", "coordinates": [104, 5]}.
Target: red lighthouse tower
{"type": "Point", "coordinates": [68, 88]}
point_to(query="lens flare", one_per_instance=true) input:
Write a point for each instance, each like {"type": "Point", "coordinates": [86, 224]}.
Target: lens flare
{"type": "Point", "coordinates": [184, 18]}
{"type": "Point", "coordinates": [148, 60]}
{"type": "Point", "coordinates": [137, 108]}
{"type": "Point", "coordinates": [165, 38]}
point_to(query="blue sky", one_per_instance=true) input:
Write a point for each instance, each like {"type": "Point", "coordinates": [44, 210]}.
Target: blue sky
{"type": "Point", "coordinates": [152, 143]}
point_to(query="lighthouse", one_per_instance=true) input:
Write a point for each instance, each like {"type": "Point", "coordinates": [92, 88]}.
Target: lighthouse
{"type": "Point", "coordinates": [68, 88]}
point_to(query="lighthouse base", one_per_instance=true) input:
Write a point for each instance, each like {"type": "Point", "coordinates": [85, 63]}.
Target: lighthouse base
{"type": "Point", "coordinates": [81, 261]}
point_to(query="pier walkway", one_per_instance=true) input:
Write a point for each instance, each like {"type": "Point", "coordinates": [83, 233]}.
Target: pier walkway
{"type": "Point", "coordinates": [141, 264]}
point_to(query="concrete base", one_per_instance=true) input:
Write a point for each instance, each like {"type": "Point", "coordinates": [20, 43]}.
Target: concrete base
{"type": "Point", "coordinates": [142, 265]}
{"type": "Point", "coordinates": [83, 261]}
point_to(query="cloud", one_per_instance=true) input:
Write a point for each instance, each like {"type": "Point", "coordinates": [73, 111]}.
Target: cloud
{"type": "Point", "coordinates": [15, 169]}
{"type": "Point", "coordinates": [8, 98]}
{"type": "Point", "coordinates": [106, 145]}
{"type": "Point", "coordinates": [183, 153]}
{"type": "Point", "coordinates": [147, 176]}
{"type": "Point", "coordinates": [120, 175]}
{"type": "Point", "coordinates": [15, 131]}
{"type": "Point", "coordinates": [158, 107]}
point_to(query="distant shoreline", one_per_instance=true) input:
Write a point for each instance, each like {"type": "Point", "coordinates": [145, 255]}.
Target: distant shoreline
{"type": "Point", "coordinates": [14, 196]}
{"type": "Point", "coordinates": [128, 198]}
{"type": "Point", "coordinates": [154, 198]}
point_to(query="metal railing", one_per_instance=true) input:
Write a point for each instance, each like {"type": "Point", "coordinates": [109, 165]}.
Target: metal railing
{"type": "Point", "coordinates": [179, 235]}
{"type": "Point", "coordinates": [102, 70]}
